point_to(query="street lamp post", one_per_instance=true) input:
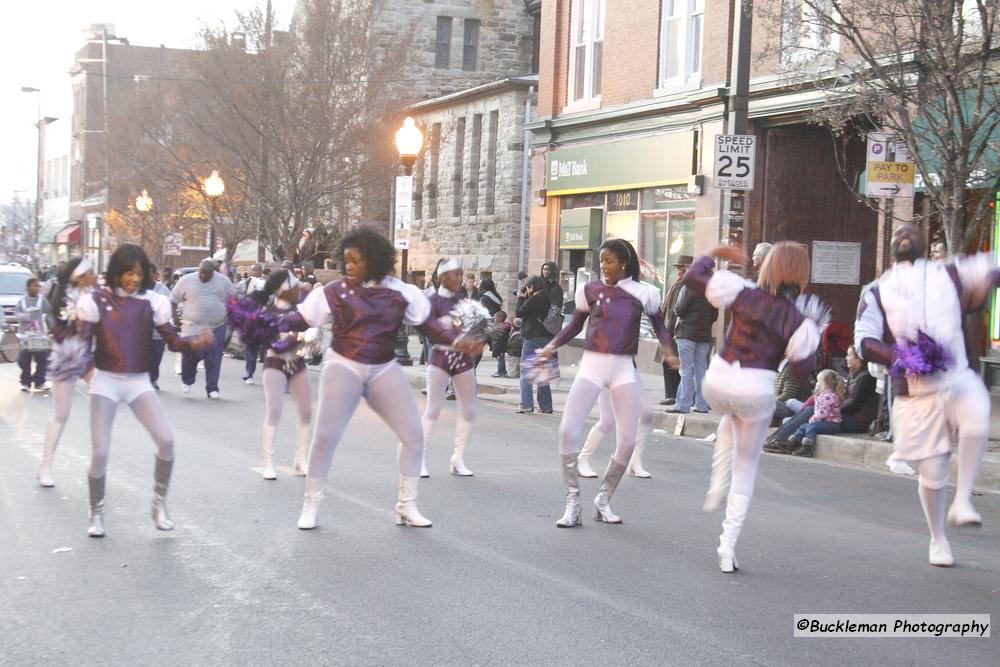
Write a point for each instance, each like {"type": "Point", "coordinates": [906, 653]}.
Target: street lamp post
{"type": "Point", "coordinates": [144, 204]}
{"type": "Point", "coordinates": [409, 139]}
{"type": "Point", "coordinates": [213, 187]}
{"type": "Point", "coordinates": [40, 124]}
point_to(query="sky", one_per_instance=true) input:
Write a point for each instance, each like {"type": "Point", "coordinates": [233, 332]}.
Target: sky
{"type": "Point", "coordinates": [37, 48]}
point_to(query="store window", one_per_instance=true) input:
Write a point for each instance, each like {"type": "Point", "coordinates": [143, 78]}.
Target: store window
{"type": "Point", "coordinates": [666, 224]}
{"type": "Point", "coordinates": [623, 216]}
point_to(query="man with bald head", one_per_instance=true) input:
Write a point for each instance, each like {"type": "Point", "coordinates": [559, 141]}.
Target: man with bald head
{"type": "Point", "coordinates": [920, 295]}
{"type": "Point", "coordinates": [203, 297]}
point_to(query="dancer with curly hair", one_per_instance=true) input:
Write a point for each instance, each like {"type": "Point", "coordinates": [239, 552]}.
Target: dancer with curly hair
{"type": "Point", "coordinates": [365, 308]}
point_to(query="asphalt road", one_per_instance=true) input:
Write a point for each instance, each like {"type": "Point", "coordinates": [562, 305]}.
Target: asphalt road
{"type": "Point", "coordinates": [493, 582]}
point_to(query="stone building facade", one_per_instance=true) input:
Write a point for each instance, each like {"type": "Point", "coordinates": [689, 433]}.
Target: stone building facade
{"type": "Point", "coordinates": [467, 182]}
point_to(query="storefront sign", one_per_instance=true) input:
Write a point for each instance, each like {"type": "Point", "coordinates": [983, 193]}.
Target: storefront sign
{"type": "Point", "coordinates": [836, 263]}
{"type": "Point", "coordinates": [663, 159]}
{"type": "Point", "coordinates": [172, 244]}
{"type": "Point", "coordinates": [890, 170]}
{"type": "Point", "coordinates": [580, 229]}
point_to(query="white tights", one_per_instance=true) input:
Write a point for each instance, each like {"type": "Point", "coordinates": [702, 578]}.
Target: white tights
{"type": "Point", "coordinates": [744, 437]}
{"type": "Point", "coordinates": [465, 393]}
{"type": "Point", "coordinates": [62, 402]}
{"type": "Point", "coordinates": [147, 409]}
{"type": "Point", "coordinates": [275, 382]}
{"type": "Point", "coordinates": [625, 400]}
{"type": "Point", "coordinates": [388, 394]}
{"type": "Point", "coordinates": [933, 494]}
{"type": "Point", "coordinates": [606, 422]}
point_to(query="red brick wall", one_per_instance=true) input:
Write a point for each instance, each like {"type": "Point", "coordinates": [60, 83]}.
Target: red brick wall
{"type": "Point", "coordinates": [716, 41]}
{"type": "Point", "coordinates": [553, 59]}
{"type": "Point", "coordinates": [631, 43]}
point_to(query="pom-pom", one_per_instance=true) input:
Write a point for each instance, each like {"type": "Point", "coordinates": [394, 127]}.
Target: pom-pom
{"type": "Point", "coordinates": [472, 318]}
{"type": "Point", "coordinates": [69, 359]}
{"type": "Point", "coordinates": [292, 346]}
{"type": "Point", "coordinates": [255, 325]}
{"type": "Point", "coordinates": [919, 357]}
{"type": "Point", "coordinates": [539, 371]}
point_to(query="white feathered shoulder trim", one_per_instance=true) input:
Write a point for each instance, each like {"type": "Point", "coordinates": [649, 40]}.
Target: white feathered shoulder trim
{"type": "Point", "coordinates": [806, 338]}
{"type": "Point", "coordinates": [723, 288]}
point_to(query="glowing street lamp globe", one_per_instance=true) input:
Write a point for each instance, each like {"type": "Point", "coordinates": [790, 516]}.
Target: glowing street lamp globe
{"type": "Point", "coordinates": [409, 139]}
{"type": "Point", "coordinates": [214, 186]}
{"type": "Point", "coordinates": [144, 202]}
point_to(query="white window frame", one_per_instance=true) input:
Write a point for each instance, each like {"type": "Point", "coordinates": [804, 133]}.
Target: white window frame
{"type": "Point", "coordinates": [586, 32]}
{"type": "Point", "coordinates": [811, 44]}
{"type": "Point", "coordinates": [690, 19]}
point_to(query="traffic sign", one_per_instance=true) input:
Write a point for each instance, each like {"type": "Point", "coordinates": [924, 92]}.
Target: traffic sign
{"type": "Point", "coordinates": [172, 244]}
{"type": "Point", "coordinates": [734, 161]}
{"type": "Point", "coordinates": [890, 169]}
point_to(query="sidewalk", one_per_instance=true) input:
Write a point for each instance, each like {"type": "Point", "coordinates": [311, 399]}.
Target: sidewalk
{"type": "Point", "coordinates": [858, 451]}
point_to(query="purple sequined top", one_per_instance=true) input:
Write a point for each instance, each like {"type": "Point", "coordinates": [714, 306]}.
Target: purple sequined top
{"type": "Point", "coordinates": [762, 324]}
{"type": "Point", "coordinates": [122, 328]}
{"type": "Point", "coordinates": [452, 361]}
{"type": "Point", "coordinates": [365, 317]}
{"type": "Point", "coordinates": [615, 312]}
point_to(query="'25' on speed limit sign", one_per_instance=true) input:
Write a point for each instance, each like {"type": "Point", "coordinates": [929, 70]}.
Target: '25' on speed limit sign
{"type": "Point", "coordinates": [734, 160]}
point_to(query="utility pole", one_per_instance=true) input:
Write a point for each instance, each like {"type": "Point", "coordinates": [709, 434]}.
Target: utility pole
{"type": "Point", "coordinates": [265, 133]}
{"type": "Point", "coordinates": [738, 106]}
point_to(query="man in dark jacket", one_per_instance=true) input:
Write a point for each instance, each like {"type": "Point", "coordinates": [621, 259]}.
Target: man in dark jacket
{"type": "Point", "coordinates": [671, 378]}
{"type": "Point", "coordinates": [532, 308]}
{"type": "Point", "coordinates": [693, 333]}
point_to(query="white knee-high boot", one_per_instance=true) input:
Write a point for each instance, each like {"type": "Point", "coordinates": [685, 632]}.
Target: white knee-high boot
{"type": "Point", "coordinates": [589, 446]}
{"type": "Point", "coordinates": [301, 460]}
{"type": "Point", "coordinates": [722, 466]}
{"type": "Point", "coordinates": [635, 463]}
{"type": "Point", "coordinates": [933, 502]}
{"type": "Point", "coordinates": [736, 513]}
{"type": "Point", "coordinates": [268, 435]}
{"type": "Point", "coordinates": [310, 505]}
{"type": "Point", "coordinates": [463, 429]}
{"type": "Point", "coordinates": [970, 455]}
{"type": "Point", "coordinates": [406, 507]}
{"type": "Point", "coordinates": [52, 434]}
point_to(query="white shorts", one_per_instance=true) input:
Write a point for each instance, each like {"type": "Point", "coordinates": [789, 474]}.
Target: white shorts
{"type": "Point", "coordinates": [745, 392]}
{"type": "Point", "coordinates": [365, 372]}
{"type": "Point", "coordinates": [607, 370]}
{"type": "Point", "coordinates": [925, 426]}
{"type": "Point", "coordinates": [120, 386]}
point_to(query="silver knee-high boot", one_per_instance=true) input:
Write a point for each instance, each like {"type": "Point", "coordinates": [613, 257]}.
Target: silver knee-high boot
{"type": "Point", "coordinates": [96, 487]}
{"type": "Point", "coordinates": [602, 502]}
{"type": "Point", "coordinates": [310, 506]}
{"type": "Point", "coordinates": [406, 507]}
{"type": "Point", "coordinates": [571, 517]}
{"type": "Point", "coordinates": [736, 513]}
{"type": "Point", "coordinates": [161, 482]}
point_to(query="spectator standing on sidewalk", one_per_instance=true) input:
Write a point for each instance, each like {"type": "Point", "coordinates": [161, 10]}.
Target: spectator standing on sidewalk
{"type": "Point", "coordinates": [671, 376]}
{"type": "Point", "coordinates": [34, 316]}
{"type": "Point", "coordinates": [532, 308]}
{"type": "Point", "coordinates": [251, 353]}
{"type": "Point", "coordinates": [693, 333]}
{"type": "Point", "coordinates": [514, 345]}
{"type": "Point", "coordinates": [204, 296]}
{"type": "Point", "coordinates": [759, 254]}
{"type": "Point", "coordinates": [489, 297]}
{"type": "Point", "coordinates": [500, 343]}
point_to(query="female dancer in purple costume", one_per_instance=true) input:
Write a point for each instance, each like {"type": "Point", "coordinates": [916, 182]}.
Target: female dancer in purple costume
{"type": "Point", "coordinates": [615, 306]}
{"type": "Point", "coordinates": [446, 364]}
{"type": "Point", "coordinates": [766, 327]}
{"type": "Point", "coordinates": [121, 319]}
{"type": "Point", "coordinates": [70, 358]}
{"type": "Point", "coordinates": [280, 374]}
{"type": "Point", "coordinates": [366, 307]}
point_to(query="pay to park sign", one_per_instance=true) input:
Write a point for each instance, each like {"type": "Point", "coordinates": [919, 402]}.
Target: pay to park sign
{"type": "Point", "coordinates": [734, 161]}
{"type": "Point", "coordinates": [890, 170]}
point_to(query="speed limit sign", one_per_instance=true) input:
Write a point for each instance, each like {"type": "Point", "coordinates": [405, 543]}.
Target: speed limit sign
{"type": "Point", "coordinates": [734, 161]}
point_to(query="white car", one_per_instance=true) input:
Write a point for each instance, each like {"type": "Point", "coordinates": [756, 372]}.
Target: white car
{"type": "Point", "coordinates": [13, 285]}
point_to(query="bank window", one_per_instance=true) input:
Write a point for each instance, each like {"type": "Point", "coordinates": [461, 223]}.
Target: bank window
{"type": "Point", "coordinates": [805, 30]}
{"type": "Point", "coordinates": [681, 29]}
{"type": "Point", "coordinates": [442, 44]}
{"type": "Point", "coordinates": [586, 49]}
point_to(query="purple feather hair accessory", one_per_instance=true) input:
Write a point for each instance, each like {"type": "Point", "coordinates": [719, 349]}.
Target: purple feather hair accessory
{"type": "Point", "coordinates": [256, 326]}
{"type": "Point", "coordinates": [922, 356]}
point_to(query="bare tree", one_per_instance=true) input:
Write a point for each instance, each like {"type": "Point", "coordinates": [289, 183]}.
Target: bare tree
{"type": "Point", "coordinates": [925, 70]}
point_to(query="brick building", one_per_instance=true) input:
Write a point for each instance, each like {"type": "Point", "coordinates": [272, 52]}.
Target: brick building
{"type": "Point", "coordinates": [631, 97]}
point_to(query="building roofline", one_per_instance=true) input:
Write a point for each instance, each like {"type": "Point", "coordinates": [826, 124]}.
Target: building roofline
{"type": "Point", "coordinates": [522, 82]}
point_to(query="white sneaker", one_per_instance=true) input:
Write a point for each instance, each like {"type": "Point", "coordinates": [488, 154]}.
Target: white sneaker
{"type": "Point", "coordinates": [268, 472]}
{"type": "Point", "coordinates": [940, 554]}
{"type": "Point", "coordinates": [213, 394]}
{"type": "Point", "coordinates": [248, 381]}
{"type": "Point", "coordinates": [185, 389]}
